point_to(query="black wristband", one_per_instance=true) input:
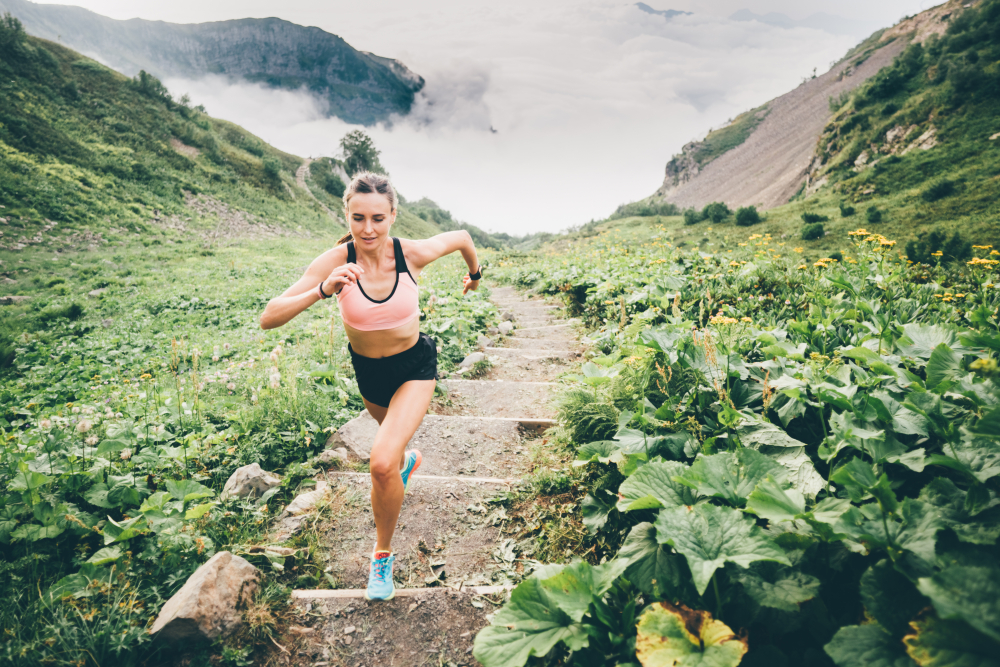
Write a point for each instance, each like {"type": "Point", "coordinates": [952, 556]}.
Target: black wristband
{"type": "Point", "coordinates": [322, 294]}
{"type": "Point", "coordinates": [478, 275]}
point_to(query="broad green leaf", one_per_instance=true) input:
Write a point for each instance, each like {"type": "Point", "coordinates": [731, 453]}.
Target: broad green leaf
{"type": "Point", "coordinates": [127, 490]}
{"type": "Point", "coordinates": [790, 453]}
{"type": "Point", "coordinates": [653, 486]}
{"type": "Point", "coordinates": [198, 511]}
{"type": "Point", "coordinates": [919, 340]}
{"type": "Point", "coordinates": [971, 594]}
{"type": "Point", "coordinates": [866, 646]}
{"type": "Point", "coordinates": [710, 536]}
{"type": "Point", "coordinates": [98, 495]}
{"type": "Point", "coordinates": [33, 532]}
{"type": "Point", "coordinates": [777, 586]}
{"type": "Point", "coordinates": [731, 476]}
{"type": "Point", "coordinates": [989, 425]}
{"type": "Point", "coordinates": [775, 501]}
{"type": "Point", "coordinates": [904, 420]}
{"type": "Point", "coordinates": [599, 450]}
{"type": "Point", "coordinates": [110, 446]}
{"type": "Point", "coordinates": [859, 479]}
{"type": "Point", "coordinates": [670, 636]}
{"type": "Point", "coordinates": [952, 504]}
{"type": "Point", "coordinates": [942, 643]}
{"type": "Point", "coordinates": [595, 510]}
{"type": "Point", "coordinates": [890, 598]}
{"type": "Point", "coordinates": [187, 490]}
{"type": "Point", "coordinates": [944, 365]}
{"type": "Point", "coordinates": [663, 341]}
{"type": "Point", "coordinates": [974, 455]}
{"type": "Point", "coordinates": [105, 556]}
{"type": "Point", "coordinates": [577, 584]}
{"type": "Point", "coordinates": [22, 481]}
{"type": "Point", "coordinates": [652, 568]}
{"type": "Point", "coordinates": [126, 530]}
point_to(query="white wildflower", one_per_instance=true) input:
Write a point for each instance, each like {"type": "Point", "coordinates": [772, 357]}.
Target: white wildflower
{"type": "Point", "coordinates": [231, 386]}
{"type": "Point", "coordinates": [91, 441]}
{"type": "Point", "coordinates": [225, 346]}
{"type": "Point", "coordinates": [45, 423]}
{"type": "Point", "coordinates": [275, 380]}
{"type": "Point", "coordinates": [125, 454]}
{"type": "Point", "coordinates": [84, 426]}
{"type": "Point", "coordinates": [215, 358]}
{"type": "Point", "coordinates": [118, 415]}
{"type": "Point", "coordinates": [76, 410]}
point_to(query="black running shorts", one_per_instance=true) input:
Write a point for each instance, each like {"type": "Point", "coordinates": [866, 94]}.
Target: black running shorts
{"type": "Point", "coordinates": [378, 379]}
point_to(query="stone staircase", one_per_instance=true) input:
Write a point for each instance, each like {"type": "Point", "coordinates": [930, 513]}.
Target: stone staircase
{"type": "Point", "coordinates": [452, 557]}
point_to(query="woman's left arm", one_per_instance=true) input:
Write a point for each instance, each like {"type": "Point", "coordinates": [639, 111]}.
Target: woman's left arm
{"type": "Point", "coordinates": [426, 251]}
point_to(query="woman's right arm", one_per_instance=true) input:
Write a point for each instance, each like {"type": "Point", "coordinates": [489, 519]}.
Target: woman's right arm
{"type": "Point", "coordinates": [282, 309]}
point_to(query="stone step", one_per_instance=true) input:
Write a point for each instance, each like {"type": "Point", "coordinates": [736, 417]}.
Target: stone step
{"type": "Point", "coordinates": [524, 368]}
{"type": "Point", "coordinates": [561, 343]}
{"type": "Point", "coordinates": [499, 399]}
{"type": "Point", "coordinates": [523, 305]}
{"type": "Point", "coordinates": [530, 354]}
{"type": "Point", "coordinates": [536, 322]}
{"type": "Point", "coordinates": [426, 627]}
{"type": "Point", "coordinates": [452, 523]}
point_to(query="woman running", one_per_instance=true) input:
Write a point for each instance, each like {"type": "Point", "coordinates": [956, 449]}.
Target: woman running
{"type": "Point", "coordinates": [374, 277]}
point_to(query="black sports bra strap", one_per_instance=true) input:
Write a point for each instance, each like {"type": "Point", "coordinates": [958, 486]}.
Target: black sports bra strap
{"type": "Point", "coordinates": [352, 258]}
{"type": "Point", "coordinates": [400, 259]}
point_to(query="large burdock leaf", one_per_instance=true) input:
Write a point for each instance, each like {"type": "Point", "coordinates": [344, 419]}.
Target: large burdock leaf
{"type": "Point", "coordinates": [777, 586]}
{"type": "Point", "coordinates": [595, 510]}
{"type": "Point", "coordinates": [545, 609]}
{"type": "Point", "coordinates": [890, 598]}
{"type": "Point", "coordinates": [782, 448]}
{"type": "Point", "coordinates": [653, 486]}
{"type": "Point", "coordinates": [652, 568]}
{"type": "Point", "coordinates": [731, 476]}
{"type": "Point", "coordinates": [941, 643]}
{"type": "Point", "coordinates": [921, 339]}
{"type": "Point", "coordinates": [774, 501]}
{"type": "Point", "coordinates": [971, 594]}
{"type": "Point", "coordinates": [867, 646]}
{"type": "Point", "coordinates": [944, 365]}
{"type": "Point", "coordinates": [670, 636]}
{"type": "Point", "coordinates": [709, 536]}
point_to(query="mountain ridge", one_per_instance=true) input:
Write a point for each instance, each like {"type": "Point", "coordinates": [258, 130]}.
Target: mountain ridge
{"type": "Point", "coordinates": [357, 86]}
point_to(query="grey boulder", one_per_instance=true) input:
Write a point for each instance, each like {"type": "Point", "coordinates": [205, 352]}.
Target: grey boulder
{"type": "Point", "coordinates": [357, 436]}
{"type": "Point", "coordinates": [339, 455]}
{"type": "Point", "coordinates": [506, 328]}
{"type": "Point", "coordinates": [250, 480]}
{"type": "Point", "coordinates": [305, 503]}
{"type": "Point", "coordinates": [508, 316]}
{"type": "Point", "coordinates": [472, 360]}
{"type": "Point", "coordinates": [207, 606]}
{"type": "Point", "coordinates": [483, 341]}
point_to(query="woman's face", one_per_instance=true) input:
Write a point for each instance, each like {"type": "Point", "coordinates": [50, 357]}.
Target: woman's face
{"type": "Point", "coordinates": [371, 217]}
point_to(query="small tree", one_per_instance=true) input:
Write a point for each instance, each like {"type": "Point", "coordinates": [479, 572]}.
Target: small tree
{"type": "Point", "coordinates": [873, 215]}
{"type": "Point", "coordinates": [360, 153]}
{"type": "Point", "coordinates": [716, 212]}
{"type": "Point", "coordinates": [692, 217]}
{"type": "Point", "coordinates": [846, 211]}
{"type": "Point", "coordinates": [272, 168]}
{"type": "Point", "coordinates": [12, 35]}
{"type": "Point", "coordinates": [812, 232]}
{"type": "Point", "coordinates": [810, 218]}
{"type": "Point", "coordinates": [747, 216]}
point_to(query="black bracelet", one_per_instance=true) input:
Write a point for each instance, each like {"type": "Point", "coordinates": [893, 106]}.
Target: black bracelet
{"type": "Point", "coordinates": [478, 275]}
{"type": "Point", "coordinates": [322, 294]}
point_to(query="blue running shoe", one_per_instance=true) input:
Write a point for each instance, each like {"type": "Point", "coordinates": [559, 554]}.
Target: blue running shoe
{"type": "Point", "coordinates": [380, 586]}
{"type": "Point", "coordinates": [413, 459]}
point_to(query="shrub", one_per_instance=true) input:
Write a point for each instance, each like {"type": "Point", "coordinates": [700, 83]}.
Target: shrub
{"type": "Point", "coordinates": [272, 168]}
{"type": "Point", "coordinates": [644, 209]}
{"type": "Point", "coordinates": [810, 218]}
{"type": "Point", "coordinates": [323, 175]}
{"type": "Point", "coordinates": [938, 190]}
{"type": "Point", "coordinates": [954, 249]}
{"type": "Point", "coordinates": [747, 216]}
{"type": "Point", "coordinates": [812, 232]}
{"type": "Point", "coordinates": [837, 255]}
{"type": "Point", "coordinates": [873, 215]}
{"type": "Point", "coordinates": [846, 211]}
{"type": "Point", "coordinates": [692, 217]}
{"type": "Point", "coordinates": [716, 212]}
{"type": "Point", "coordinates": [360, 153]}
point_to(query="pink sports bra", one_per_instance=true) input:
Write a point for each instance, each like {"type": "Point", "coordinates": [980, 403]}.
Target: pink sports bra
{"type": "Point", "coordinates": [364, 313]}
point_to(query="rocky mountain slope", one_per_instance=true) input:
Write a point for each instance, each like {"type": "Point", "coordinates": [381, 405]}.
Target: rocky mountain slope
{"type": "Point", "coordinates": [776, 144]}
{"type": "Point", "coordinates": [359, 87]}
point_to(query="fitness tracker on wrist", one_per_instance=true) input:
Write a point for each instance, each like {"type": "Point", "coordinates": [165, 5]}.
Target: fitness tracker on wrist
{"type": "Point", "coordinates": [322, 294]}
{"type": "Point", "coordinates": [478, 275]}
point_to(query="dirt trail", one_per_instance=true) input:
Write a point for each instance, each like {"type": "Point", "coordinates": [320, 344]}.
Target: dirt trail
{"type": "Point", "coordinates": [300, 180]}
{"type": "Point", "coordinates": [450, 543]}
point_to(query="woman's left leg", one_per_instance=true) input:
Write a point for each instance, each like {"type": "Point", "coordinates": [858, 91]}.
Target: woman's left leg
{"type": "Point", "coordinates": [406, 410]}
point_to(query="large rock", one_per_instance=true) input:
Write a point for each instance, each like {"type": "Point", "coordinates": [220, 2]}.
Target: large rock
{"type": "Point", "coordinates": [339, 455]}
{"type": "Point", "coordinates": [508, 316]}
{"type": "Point", "coordinates": [357, 435]}
{"type": "Point", "coordinates": [207, 606]}
{"type": "Point", "coordinates": [472, 359]}
{"type": "Point", "coordinates": [251, 480]}
{"type": "Point", "coordinates": [483, 341]}
{"type": "Point", "coordinates": [506, 328]}
{"type": "Point", "coordinates": [305, 503]}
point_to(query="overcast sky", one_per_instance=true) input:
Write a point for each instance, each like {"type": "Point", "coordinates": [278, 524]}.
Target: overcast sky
{"type": "Point", "coordinates": [589, 98]}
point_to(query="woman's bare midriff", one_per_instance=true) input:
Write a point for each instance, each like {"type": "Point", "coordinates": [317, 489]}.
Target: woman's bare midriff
{"type": "Point", "coordinates": [385, 343]}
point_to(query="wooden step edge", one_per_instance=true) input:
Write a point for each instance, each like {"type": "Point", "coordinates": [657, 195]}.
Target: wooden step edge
{"type": "Point", "coordinates": [437, 478]}
{"type": "Point", "coordinates": [303, 594]}
{"type": "Point", "coordinates": [505, 382]}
